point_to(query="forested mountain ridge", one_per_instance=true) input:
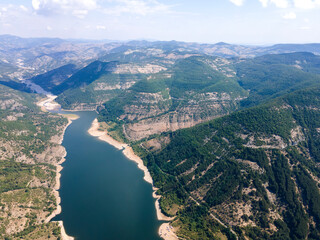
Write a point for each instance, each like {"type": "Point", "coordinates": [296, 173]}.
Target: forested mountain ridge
{"type": "Point", "coordinates": [270, 76]}
{"type": "Point", "coordinates": [49, 80]}
{"type": "Point", "coordinates": [101, 81]}
{"type": "Point", "coordinates": [193, 90]}
{"type": "Point", "coordinates": [199, 88]}
{"type": "Point", "coordinates": [257, 170]}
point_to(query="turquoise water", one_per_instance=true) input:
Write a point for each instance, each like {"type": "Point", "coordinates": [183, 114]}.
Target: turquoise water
{"type": "Point", "coordinates": [103, 194]}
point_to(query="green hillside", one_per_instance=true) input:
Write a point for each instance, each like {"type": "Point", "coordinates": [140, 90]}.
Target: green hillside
{"type": "Point", "coordinates": [289, 48]}
{"type": "Point", "coordinates": [260, 79]}
{"type": "Point", "coordinates": [84, 76]}
{"type": "Point", "coordinates": [104, 87]}
{"type": "Point", "coordinates": [49, 80]}
{"type": "Point", "coordinates": [305, 61]}
{"type": "Point", "coordinates": [16, 85]}
{"type": "Point", "coordinates": [28, 155]}
{"type": "Point", "coordinates": [194, 89]}
{"type": "Point", "coordinates": [198, 74]}
{"type": "Point", "coordinates": [268, 77]}
{"type": "Point", "coordinates": [255, 170]}
{"type": "Point", "coordinates": [200, 88]}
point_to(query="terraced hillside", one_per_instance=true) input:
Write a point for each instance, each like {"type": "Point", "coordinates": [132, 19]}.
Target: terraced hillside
{"type": "Point", "coordinates": [29, 153]}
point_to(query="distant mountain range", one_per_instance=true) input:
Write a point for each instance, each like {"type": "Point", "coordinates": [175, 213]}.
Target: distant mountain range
{"type": "Point", "coordinates": [33, 56]}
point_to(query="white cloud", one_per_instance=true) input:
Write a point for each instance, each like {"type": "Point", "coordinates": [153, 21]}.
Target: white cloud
{"type": "Point", "coordinates": [300, 4]}
{"type": "Point", "coordinates": [8, 11]}
{"type": "Point", "coordinates": [277, 3]}
{"type": "Point", "coordinates": [49, 28]}
{"type": "Point", "coordinates": [139, 7]}
{"type": "Point", "coordinates": [280, 3]}
{"type": "Point", "coordinates": [78, 8]}
{"type": "Point", "coordinates": [306, 4]}
{"type": "Point", "coordinates": [36, 4]}
{"type": "Point", "coordinates": [24, 8]}
{"type": "Point", "coordinates": [101, 27]}
{"type": "Point", "coordinates": [80, 13]}
{"type": "Point", "coordinates": [290, 16]}
{"type": "Point", "coordinates": [237, 2]}
{"type": "Point", "coordinates": [264, 3]}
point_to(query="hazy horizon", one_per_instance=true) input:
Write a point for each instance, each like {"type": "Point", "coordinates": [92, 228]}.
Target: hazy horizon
{"type": "Point", "coordinates": [258, 22]}
{"type": "Point", "coordinates": [157, 40]}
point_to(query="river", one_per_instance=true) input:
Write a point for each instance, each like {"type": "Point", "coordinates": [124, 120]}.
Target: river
{"type": "Point", "coordinates": [103, 194]}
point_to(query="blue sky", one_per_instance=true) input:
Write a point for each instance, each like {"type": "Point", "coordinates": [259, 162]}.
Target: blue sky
{"type": "Point", "coordinates": [210, 21]}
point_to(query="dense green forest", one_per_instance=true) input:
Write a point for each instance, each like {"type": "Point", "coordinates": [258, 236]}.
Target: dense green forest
{"type": "Point", "coordinates": [268, 79]}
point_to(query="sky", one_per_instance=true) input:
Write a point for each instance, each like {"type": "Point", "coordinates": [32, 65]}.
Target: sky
{"type": "Point", "coordinates": [259, 22]}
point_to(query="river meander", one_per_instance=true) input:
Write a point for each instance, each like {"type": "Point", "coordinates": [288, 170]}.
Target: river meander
{"type": "Point", "coordinates": [103, 194]}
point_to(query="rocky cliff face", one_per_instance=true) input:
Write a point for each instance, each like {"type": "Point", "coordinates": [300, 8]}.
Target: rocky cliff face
{"type": "Point", "coordinates": [152, 120]}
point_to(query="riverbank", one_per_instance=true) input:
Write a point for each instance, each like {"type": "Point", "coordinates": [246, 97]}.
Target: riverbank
{"type": "Point", "coordinates": [48, 104]}
{"type": "Point", "coordinates": [165, 231]}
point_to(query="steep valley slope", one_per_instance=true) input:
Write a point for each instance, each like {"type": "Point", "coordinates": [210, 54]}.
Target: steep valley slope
{"type": "Point", "coordinates": [29, 155]}
{"type": "Point", "coordinates": [256, 170]}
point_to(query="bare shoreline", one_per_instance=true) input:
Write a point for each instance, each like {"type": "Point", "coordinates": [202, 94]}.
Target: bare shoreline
{"type": "Point", "coordinates": [46, 105]}
{"type": "Point", "coordinates": [165, 231]}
